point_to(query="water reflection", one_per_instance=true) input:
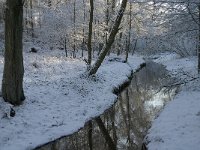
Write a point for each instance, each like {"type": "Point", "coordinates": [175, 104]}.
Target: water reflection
{"type": "Point", "coordinates": [124, 125]}
{"type": "Point", "coordinates": [140, 103]}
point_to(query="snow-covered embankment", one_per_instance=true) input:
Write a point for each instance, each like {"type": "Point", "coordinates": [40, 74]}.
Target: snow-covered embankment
{"type": "Point", "coordinates": [178, 126]}
{"type": "Point", "coordinates": [60, 98]}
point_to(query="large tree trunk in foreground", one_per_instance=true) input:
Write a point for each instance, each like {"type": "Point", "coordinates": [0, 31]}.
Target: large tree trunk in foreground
{"type": "Point", "coordinates": [111, 39]}
{"type": "Point", "coordinates": [12, 84]}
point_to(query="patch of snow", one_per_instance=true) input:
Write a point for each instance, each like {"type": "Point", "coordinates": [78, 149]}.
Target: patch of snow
{"type": "Point", "coordinates": [178, 126]}
{"type": "Point", "coordinates": [165, 57]}
{"type": "Point", "coordinates": [5, 109]}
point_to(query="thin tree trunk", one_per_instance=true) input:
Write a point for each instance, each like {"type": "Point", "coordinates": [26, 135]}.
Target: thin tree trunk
{"type": "Point", "coordinates": [32, 21]}
{"type": "Point", "coordinates": [40, 20]}
{"type": "Point", "coordinates": [199, 43]}
{"type": "Point", "coordinates": [111, 39]}
{"type": "Point", "coordinates": [129, 34]}
{"type": "Point", "coordinates": [94, 47]}
{"type": "Point", "coordinates": [127, 49]}
{"type": "Point", "coordinates": [107, 22]}
{"type": "Point", "coordinates": [98, 35]}
{"type": "Point", "coordinates": [113, 7]}
{"type": "Point", "coordinates": [74, 19]}
{"type": "Point", "coordinates": [26, 17]}
{"type": "Point", "coordinates": [90, 33]}
{"type": "Point", "coordinates": [134, 47]}
{"type": "Point", "coordinates": [84, 16]}
{"type": "Point", "coordinates": [65, 44]}
{"type": "Point", "coordinates": [107, 19]}
{"type": "Point", "coordinates": [12, 84]}
{"type": "Point", "coordinates": [119, 44]}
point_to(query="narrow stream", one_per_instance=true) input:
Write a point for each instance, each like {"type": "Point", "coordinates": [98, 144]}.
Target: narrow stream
{"type": "Point", "coordinates": [124, 125]}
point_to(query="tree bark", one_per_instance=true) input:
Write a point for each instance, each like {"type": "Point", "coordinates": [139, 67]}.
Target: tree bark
{"type": "Point", "coordinates": [127, 50]}
{"type": "Point", "coordinates": [119, 44]}
{"type": "Point", "coordinates": [111, 39]}
{"type": "Point", "coordinates": [129, 34]}
{"type": "Point", "coordinates": [90, 33]}
{"type": "Point", "coordinates": [84, 17]}
{"type": "Point", "coordinates": [107, 21]}
{"type": "Point", "coordinates": [12, 83]}
{"type": "Point", "coordinates": [134, 48]}
{"type": "Point", "coordinates": [32, 21]}
{"type": "Point", "coordinates": [74, 21]}
{"type": "Point", "coordinates": [66, 54]}
{"type": "Point", "coordinates": [199, 43]}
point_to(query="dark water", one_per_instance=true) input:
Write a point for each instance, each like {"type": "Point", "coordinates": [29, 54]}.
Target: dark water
{"type": "Point", "coordinates": [124, 125]}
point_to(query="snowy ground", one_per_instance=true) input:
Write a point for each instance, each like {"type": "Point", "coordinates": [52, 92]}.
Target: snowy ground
{"type": "Point", "coordinates": [178, 126]}
{"type": "Point", "coordinates": [59, 98]}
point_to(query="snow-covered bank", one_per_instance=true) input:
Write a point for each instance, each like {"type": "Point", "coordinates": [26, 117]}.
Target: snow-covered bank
{"type": "Point", "coordinates": [59, 98]}
{"type": "Point", "coordinates": [178, 126]}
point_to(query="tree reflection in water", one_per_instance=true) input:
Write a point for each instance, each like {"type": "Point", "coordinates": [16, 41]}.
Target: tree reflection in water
{"type": "Point", "coordinates": [124, 125]}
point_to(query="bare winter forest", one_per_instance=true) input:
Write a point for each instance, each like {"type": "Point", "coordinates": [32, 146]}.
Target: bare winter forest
{"type": "Point", "coordinates": [99, 74]}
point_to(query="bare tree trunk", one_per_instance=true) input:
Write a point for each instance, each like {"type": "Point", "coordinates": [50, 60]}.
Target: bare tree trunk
{"type": "Point", "coordinates": [94, 47]}
{"type": "Point", "coordinates": [129, 34]}
{"type": "Point", "coordinates": [74, 19]}
{"type": "Point", "coordinates": [107, 20]}
{"type": "Point", "coordinates": [26, 17]}
{"type": "Point", "coordinates": [84, 17]}
{"type": "Point", "coordinates": [111, 39]}
{"type": "Point", "coordinates": [119, 44]}
{"type": "Point", "coordinates": [113, 3]}
{"type": "Point", "coordinates": [65, 45]}
{"type": "Point", "coordinates": [40, 20]}
{"type": "Point", "coordinates": [90, 33]}
{"type": "Point", "coordinates": [134, 48]}
{"type": "Point", "coordinates": [32, 21]}
{"type": "Point", "coordinates": [127, 49]}
{"type": "Point", "coordinates": [12, 84]}
{"type": "Point", "coordinates": [199, 43]}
